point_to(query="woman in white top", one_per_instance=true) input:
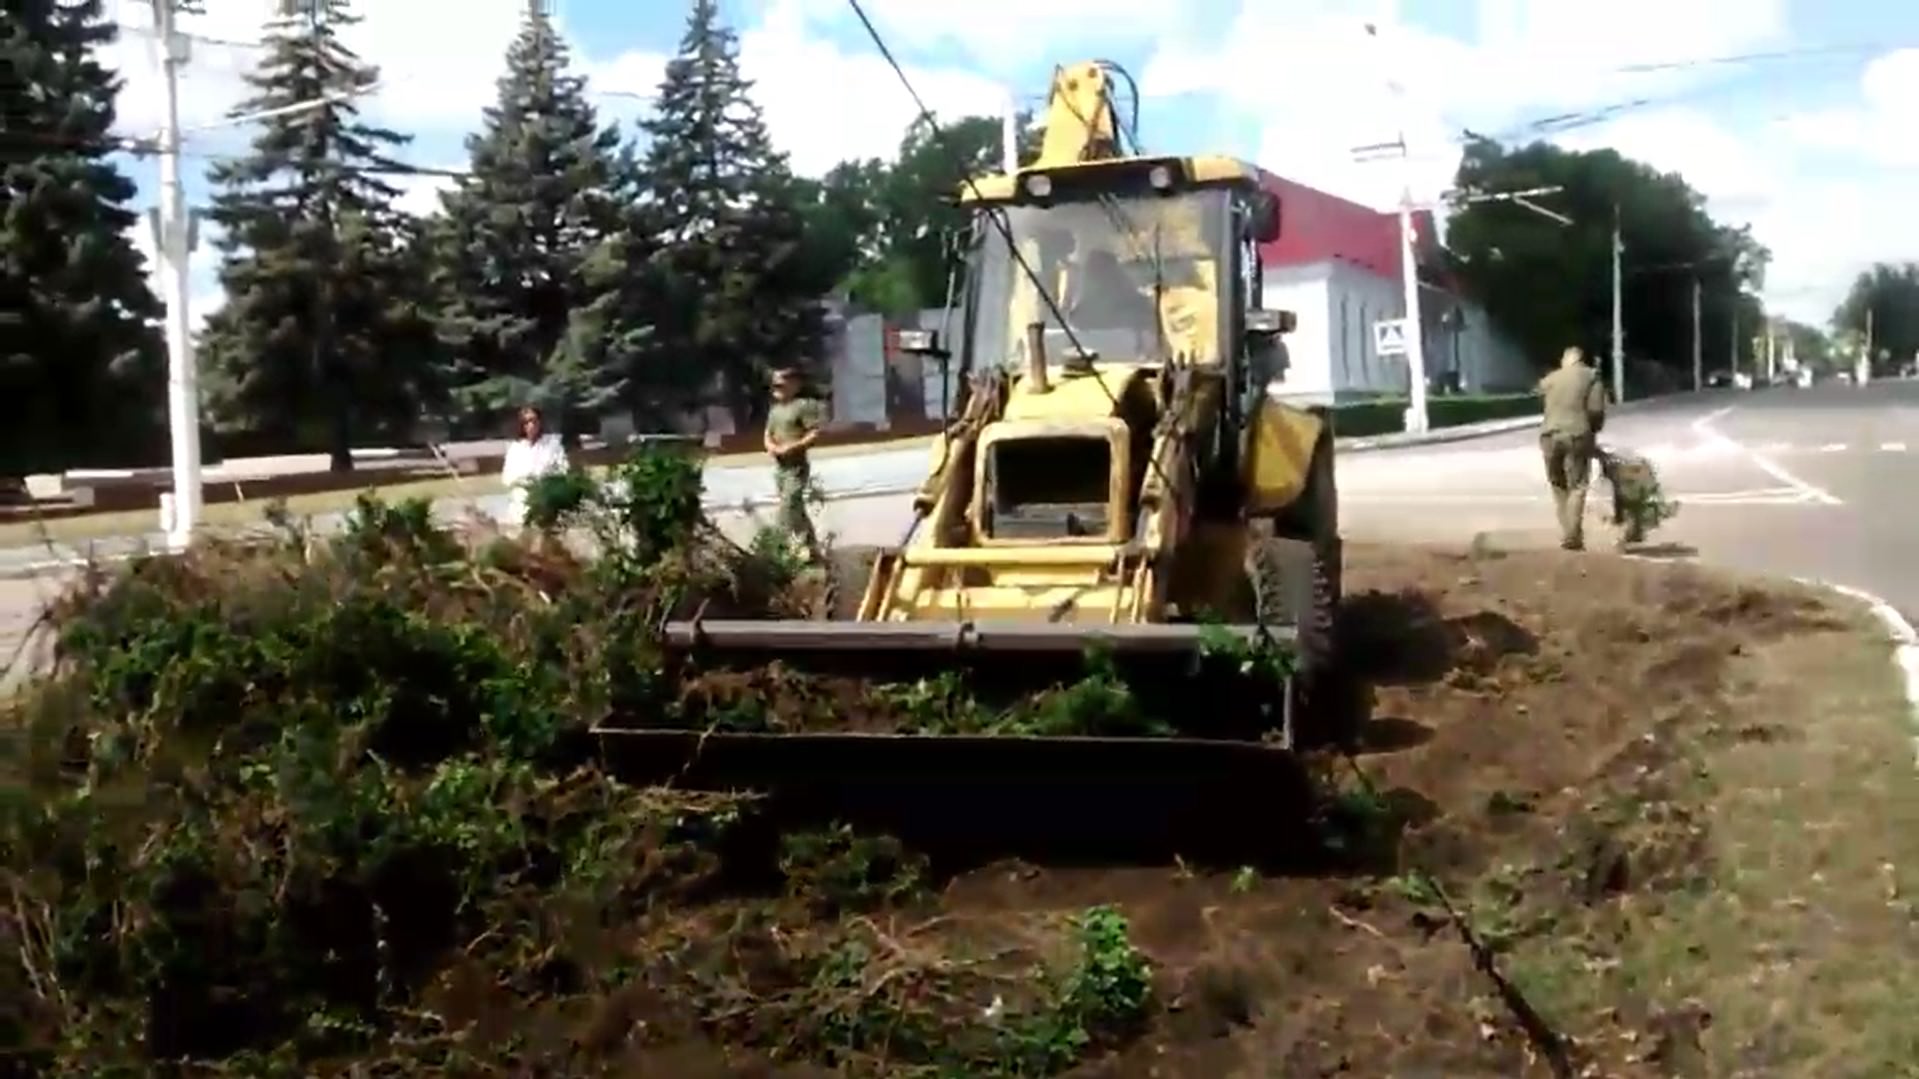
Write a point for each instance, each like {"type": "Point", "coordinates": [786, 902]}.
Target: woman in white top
{"type": "Point", "coordinates": [534, 454]}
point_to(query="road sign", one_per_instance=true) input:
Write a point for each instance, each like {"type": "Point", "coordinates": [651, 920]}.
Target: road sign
{"type": "Point", "coordinates": [1389, 337]}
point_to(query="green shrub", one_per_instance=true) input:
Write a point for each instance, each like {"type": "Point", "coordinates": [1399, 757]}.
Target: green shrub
{"type": "Point", "coordinates": [1366, 419]}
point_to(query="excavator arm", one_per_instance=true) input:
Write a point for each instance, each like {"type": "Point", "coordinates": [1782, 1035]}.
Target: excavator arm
{"type": "Point", "coordinates": [1081, 120]}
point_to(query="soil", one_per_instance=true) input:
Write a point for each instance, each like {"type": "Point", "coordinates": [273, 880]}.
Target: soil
{"type": "Point", "coordinates": [1515, 697]}
{"type": "Point", "coordinates": [1528, 772]}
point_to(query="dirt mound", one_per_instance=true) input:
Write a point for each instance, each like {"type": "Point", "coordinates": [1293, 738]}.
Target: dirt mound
{"type": "Point", "coordinates": [1521, 701]}
{"type": "Point", "coordinates": [349, 822]}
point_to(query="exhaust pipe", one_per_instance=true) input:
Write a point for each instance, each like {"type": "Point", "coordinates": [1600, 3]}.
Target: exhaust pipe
{"type": "Point", "coordinates": [1036, 377]}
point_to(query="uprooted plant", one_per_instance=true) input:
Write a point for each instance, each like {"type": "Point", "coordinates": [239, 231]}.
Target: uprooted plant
{"type": "Point", "coordinates": [274, 803]}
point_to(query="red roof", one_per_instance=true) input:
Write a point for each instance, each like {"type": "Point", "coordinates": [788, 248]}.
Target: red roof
{"type": "Point", "coordinates": [1318, 227]}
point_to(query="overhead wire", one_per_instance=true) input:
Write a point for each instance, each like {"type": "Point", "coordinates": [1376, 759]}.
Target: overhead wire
{"type": "Point", "coordinates": [994, 215]}
{"type": "Point", "coordinates": [940, 138]}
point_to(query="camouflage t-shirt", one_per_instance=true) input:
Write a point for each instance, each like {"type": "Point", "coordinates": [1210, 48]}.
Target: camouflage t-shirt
{"type": "Point", "coordinates": [789, 421]}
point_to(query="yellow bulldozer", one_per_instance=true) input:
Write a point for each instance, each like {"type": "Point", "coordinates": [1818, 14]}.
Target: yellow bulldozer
{"type": "Point", "coordinates": [1116, 473]}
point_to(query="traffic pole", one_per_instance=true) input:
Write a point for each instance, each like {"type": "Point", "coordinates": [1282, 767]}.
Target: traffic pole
{"type": "Point", "coordinates": [173, 245]}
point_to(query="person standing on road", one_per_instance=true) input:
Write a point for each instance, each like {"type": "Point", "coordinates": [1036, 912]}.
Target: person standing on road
{"type": "Point", "coordinates": [792, 426]}
{"type": "Point", "coordinates": [1572, 414]}
{"type": "Point", "coordinates": [535, 454]}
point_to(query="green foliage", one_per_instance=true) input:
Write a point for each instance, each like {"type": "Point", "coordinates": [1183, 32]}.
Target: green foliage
{"type": "Point", "coordinates": [1639, 500]}
{"type": "Point", "coordinates": [267, 790]}
{"type": "Point", "coordinates": [886, 229]}
{"type": "Point", "coordinates": [518, 252]}
{"type": "Point", "coordinates": [321, 341]}
{"type": "Point", "coordinates": [1890, 292]}
{"type": "Point", "coordinates": [1099, 703]}
{"type": "Point", "coordinates": [77, 338]}
{"type": "Point", "coordinates": [839, 870]}
{"type": "Point", "coordinates": [1550, 285]}
{"type": "Point", "coordinates": [555, 498]}
{"type": "Point", "coordinates": [1388, 416]}
{"type": "Point", "coordinates": [737, 293]}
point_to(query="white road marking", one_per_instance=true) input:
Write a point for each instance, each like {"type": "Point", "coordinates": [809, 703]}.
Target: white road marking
{"type": "Point", "coordinates": [1704, 428]}
{"type": "Point", "coordinates": [1905, 648]}
{"type": "Point", "coordinates": [1892, 447]}
{"type": "Point", "coordinates": [1833, 447]}
{"type": "Point", "coordinates": [1771, 496]}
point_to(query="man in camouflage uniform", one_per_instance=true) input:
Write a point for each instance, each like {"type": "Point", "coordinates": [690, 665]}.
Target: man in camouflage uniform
{"type": "Point", "coordinates": [1573, 412]}
{"type": "Point", "coordinates": [792, 426]}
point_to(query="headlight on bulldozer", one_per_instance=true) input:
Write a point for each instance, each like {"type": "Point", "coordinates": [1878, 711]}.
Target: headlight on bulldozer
{"type": "Point", "coordinates": [1039, 186]}
{"type": "Point", "coordinates": [1161, 178]}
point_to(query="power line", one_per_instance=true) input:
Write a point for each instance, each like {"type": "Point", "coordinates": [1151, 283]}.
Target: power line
{"type": "Point", "coordinates": [1803, 53]}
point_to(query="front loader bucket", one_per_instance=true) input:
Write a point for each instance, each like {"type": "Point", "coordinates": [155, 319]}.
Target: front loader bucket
{"type": "Point", "coordinates": [791, 638]}
{"type": "Point", "coordinates": [1223, 779]}
{"type": "Point", "coordinates": [977, 797]}
{"type": "Point", "coordinates": [1006, 658]}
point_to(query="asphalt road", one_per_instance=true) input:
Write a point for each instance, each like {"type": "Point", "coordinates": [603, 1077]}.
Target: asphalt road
{"type": "Point", "coordinates": [1821, 482]}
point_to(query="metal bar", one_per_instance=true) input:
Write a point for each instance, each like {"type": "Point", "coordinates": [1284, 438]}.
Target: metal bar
{"type": "Point", "coordinates": [953, 636]}
{"type": "Point", "coordinates": [1015, 556]}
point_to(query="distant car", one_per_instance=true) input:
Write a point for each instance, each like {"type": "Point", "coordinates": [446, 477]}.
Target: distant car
{"type": "Point", "coordinates": [1844, 377]}
{"type": "Point", "coordinates": [1719, 379]}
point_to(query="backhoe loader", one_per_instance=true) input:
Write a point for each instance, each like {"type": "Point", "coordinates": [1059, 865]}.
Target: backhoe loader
{"type": "Point", "coordinates": [1116, 474]}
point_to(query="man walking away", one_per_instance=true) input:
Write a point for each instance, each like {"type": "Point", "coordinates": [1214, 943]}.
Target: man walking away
{"type": "Point", "coordinates": [792, 426]}
{"type": "Point", "coordinates": [1574, 411]}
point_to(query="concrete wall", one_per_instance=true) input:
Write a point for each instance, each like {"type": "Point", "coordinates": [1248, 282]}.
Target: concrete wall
{"type": "Point", "coordinates": [1333, 357]}
{"type": "Point", "coordinates": [857, 359]}
{"type": "Point", "coordinates": [1303, 291]}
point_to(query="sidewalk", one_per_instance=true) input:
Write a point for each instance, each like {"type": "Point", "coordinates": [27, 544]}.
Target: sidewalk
{"type": "Point", "coordinates": [733, 484]}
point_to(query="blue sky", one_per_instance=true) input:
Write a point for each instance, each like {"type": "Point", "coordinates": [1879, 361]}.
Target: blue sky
{"type": "Point", "coordinates": [1815, 150]}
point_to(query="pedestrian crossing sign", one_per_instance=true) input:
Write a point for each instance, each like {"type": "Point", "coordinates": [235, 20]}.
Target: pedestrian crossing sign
{"type": "Point", "coordinates": [1389, 337]}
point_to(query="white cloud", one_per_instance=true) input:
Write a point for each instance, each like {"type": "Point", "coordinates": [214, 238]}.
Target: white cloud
{"type": "Point", "coordinates": [1302, 77]}
{"type": "Point", "coordinates": [1001, 35]}
{"type": "Point", "coordinates": [438, 60]}
{"type": "Point", "coordinates": [823, 104]}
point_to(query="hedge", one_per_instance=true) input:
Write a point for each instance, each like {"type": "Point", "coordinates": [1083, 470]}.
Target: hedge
{"type": "Point", "coordinates": [1387, 415]}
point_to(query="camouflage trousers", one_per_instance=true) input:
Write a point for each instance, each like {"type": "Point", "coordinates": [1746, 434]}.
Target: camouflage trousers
{"type": "Point", "coordinates": [1569, 460]}
{"type": "Point", "coordinates": [794, 483]}
{"type": "Point", "coordinates": [1632, 480]}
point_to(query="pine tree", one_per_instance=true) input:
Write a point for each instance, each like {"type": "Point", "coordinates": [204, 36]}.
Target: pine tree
{"type": "Point", "coordinates": [319, 340]}
{"type": "Point", "coordinates": [740, 290]}
{"type": "Point", "coordinates": [547, 187]}
{"type": "Point", "coordinates": [78, 341]}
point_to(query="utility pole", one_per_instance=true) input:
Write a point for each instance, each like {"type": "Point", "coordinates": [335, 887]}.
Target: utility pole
{"type": "Point", "coordinates": [1009, 133]}
{"type": "Point", "coordinates": [1415, 324]}
{"type": "Point", "coordinates": [173, 243]}
{"type": "Point", "coordinates": [1863, 374]}
{"type": "Point", "coordinates": [1732, 346]}
{"type": "Point", "coordinates": [1698, 344]}
{"type": "Point", "coordinates": [1409, 267]}
{"type": "Point", "coordinates": [1618, 325]}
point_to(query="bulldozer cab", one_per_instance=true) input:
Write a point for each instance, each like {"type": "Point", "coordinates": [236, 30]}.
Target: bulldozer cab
{"type": "Point", "coordinates": [1130, 278]}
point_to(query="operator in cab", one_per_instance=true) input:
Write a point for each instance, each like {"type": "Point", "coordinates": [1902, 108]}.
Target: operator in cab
{"type": "Point", "coordinates": [1572, 414]}
{"type": "Point", "coordinates": [1105, 297]}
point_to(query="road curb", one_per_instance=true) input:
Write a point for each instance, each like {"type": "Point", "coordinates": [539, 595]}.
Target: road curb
{"type": "Point", "coordinates": [1905, 647]}
{"type": "Point", "coordinates": [1460, 433]}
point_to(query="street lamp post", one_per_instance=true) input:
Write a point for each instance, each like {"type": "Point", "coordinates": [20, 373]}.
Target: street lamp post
{"type": "Point", "coordinates": [173, 243]}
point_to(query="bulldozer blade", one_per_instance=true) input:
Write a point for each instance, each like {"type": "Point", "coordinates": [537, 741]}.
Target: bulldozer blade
{"type": "Point", "coordinates": [1007, 659]}
{"type": "Point", "coordinates": [988, 795]}
{"type": "Point", "coordinates": [1011, 635]}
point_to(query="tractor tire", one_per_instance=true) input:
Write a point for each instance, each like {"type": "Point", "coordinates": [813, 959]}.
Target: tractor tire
{"type": "Point", "coordinates": [1297, 583]}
